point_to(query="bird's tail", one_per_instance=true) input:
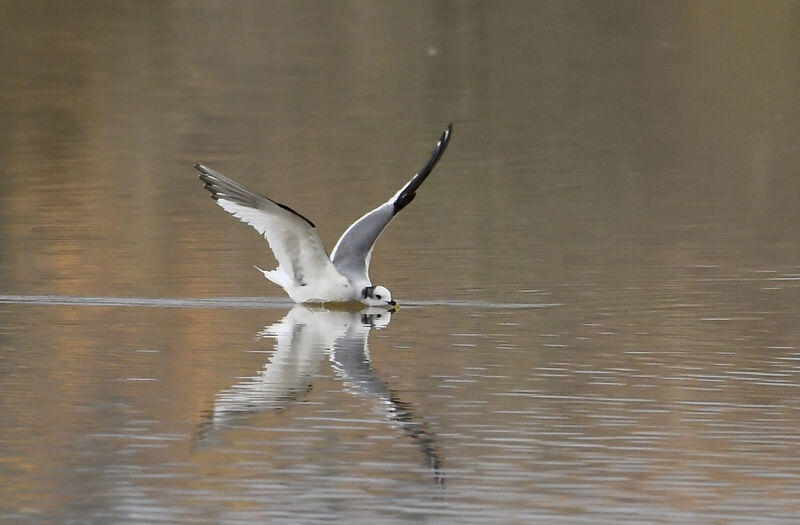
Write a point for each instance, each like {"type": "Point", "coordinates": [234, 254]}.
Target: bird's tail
{"type": "Point", "coordinates": [276, 276]}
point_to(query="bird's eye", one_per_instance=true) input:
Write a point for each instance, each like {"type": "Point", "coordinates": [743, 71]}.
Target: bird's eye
{"type": "Point", "coordinates": [377, 296]}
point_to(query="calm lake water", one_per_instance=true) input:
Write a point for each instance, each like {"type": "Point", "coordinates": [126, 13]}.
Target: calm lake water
{"type": "Point", "coordinates": [599, 284]}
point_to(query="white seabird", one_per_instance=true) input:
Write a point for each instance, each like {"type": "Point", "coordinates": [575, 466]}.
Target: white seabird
{"type": "Point", "coordinates": [304, 269]}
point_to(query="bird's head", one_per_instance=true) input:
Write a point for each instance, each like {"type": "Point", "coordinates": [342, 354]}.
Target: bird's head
{"type": "Point", "coordinates": [377, 296]}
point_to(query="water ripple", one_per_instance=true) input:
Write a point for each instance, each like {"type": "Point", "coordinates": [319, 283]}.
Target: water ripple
{"type": "Point", "coordinates": [229, 302]}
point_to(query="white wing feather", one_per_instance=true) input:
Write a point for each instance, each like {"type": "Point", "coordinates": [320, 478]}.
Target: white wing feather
{"type": "Point", "coordinates": [293, 239]}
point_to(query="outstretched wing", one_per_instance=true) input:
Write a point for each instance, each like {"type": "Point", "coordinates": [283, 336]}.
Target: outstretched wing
{"type": "Point", "coordinates": [352, 253]}
{"type": "Point", "coordinates": [292, 238]}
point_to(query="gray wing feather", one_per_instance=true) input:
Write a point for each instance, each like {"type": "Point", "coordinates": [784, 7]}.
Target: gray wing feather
{"type": "Point", "coordinates": [352, 253]}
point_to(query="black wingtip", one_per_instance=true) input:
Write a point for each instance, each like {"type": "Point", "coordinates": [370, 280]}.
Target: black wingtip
{"type": "Point", "coordinates": [410, 190]}
{"type": "Point", "coordinates": [446, 134]}
{"type": "Point", "coordinates": [438, 151]}
{"type": "Point", "coordinates": [444, 140]}
{"type": "Point", "coordinates": [223, 188]}
{"type": "Point", "coordinates": [205, 173]}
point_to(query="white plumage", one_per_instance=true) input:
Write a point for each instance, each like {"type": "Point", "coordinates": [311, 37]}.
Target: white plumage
{"type": "Point", "coordinates": [304, 269]}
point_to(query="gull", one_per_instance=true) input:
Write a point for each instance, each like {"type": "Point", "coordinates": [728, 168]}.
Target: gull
{"type": "Point", "coordinates": [304, 269]}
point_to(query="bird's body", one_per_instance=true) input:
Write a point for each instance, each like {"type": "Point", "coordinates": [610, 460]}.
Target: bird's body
{"type": "Point", "coordinates": [304, 269]}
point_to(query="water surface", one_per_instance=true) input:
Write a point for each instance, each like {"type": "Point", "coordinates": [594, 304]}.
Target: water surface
{"type": "Point", "coordinates": [599, 284]}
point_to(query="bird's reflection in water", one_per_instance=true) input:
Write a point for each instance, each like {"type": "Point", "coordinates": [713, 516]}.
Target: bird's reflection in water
{"type": "Point", "coordinates": [304, 337]}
